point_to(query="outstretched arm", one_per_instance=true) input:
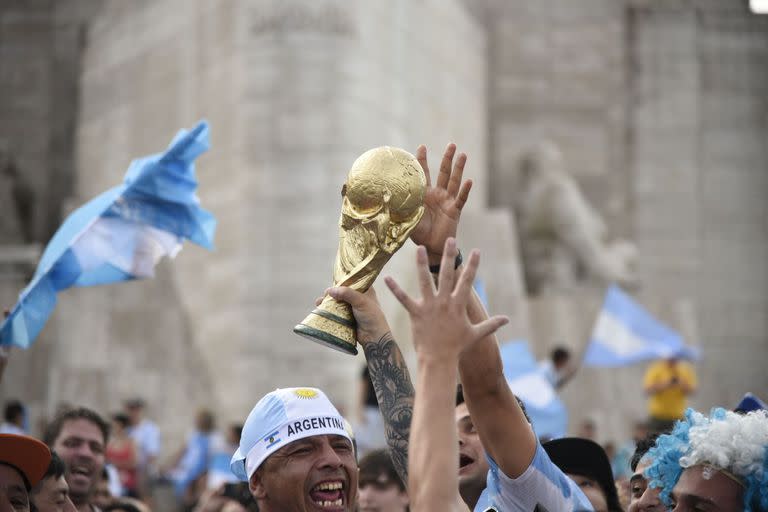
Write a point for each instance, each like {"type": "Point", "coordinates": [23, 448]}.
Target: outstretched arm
{"type": "Point", "coordinates": [505, 433]}
{"type": "Point", "coordinates": [503, 429]}
{"type": "Point", "coordinates": [441, 331]}
{"type": "Point", "coordinates": [389, 373]}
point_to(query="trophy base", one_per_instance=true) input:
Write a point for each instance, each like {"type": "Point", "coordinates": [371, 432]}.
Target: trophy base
{"type": "Point", "coordinates": [330, 330]}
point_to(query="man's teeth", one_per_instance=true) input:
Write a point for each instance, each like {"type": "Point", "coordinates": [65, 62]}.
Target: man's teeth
{"type": "Point", "coordinates": [328, 503]}
{"type": "Point", "coordinates": [329, 486]}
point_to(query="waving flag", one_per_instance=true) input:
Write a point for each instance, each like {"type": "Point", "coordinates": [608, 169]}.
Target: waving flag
{"type": "Point", "coordinates": [625, 333]}
{"type": "Point", "coordinates": [119, 235]}
{"type": "Point", "coordinates": [547, 412]}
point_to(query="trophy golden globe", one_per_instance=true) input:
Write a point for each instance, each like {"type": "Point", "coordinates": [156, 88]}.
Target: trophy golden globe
{"type": "Point", "coordinates": [382, 201]}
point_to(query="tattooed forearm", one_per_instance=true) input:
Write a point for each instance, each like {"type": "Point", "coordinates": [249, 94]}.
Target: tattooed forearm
{"type": "Point", "coordinates": [394, 391]}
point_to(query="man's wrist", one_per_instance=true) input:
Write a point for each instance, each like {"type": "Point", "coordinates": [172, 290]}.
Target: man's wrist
{"type": "Point", "coordinates": [375, 336]}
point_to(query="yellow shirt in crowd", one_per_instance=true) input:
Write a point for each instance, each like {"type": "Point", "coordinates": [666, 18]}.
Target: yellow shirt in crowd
{"type": "Point", "coordinates": [670, 403]}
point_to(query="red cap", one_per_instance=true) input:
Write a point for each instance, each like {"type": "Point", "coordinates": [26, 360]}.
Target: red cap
{"type": "Point", "coordinates": [30, 456]}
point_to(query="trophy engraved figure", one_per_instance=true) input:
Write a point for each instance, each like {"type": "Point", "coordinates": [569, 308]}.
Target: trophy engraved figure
{"type": "Point", "coordinates": [383, 200]}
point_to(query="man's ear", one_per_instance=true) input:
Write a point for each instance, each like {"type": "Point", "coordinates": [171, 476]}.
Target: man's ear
{"type": "Point", "coordinates": [256, 485]}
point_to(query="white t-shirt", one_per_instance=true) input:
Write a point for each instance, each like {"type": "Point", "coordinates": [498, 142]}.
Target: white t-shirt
{"type": "Point", "coordinates": [146, 435]}
{"type": "Point", "coordinates": [541, 488]}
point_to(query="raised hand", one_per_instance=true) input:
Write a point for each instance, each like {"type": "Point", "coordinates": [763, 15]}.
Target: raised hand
{"type": "Point", "coordinates": [371, 323]}
{"type": "Point", "coordinates": [443, 202]}
{"type": "Point", "coordinates": [439, 319]}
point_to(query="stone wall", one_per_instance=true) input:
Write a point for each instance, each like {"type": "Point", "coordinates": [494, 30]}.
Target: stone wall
{"type": "Point", "coordinates": [293, 92]}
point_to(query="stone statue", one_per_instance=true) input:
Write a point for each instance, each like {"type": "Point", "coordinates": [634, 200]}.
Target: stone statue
{"type": "Point", "coordinates": [563, 238]}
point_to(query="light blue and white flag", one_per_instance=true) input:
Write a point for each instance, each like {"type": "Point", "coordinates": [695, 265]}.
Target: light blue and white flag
{"type": "Point", "coordinates": [119, 235]}
{"type": "Point", "coordinates": [547, 412]}
{"type": "Point", "coordinates": [625, 333]}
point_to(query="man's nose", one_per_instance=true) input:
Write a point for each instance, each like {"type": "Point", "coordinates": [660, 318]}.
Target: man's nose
{"type": "Point", "coordinates": [650, 498]}
{"type": "Point", "coordinates": [329, 457]}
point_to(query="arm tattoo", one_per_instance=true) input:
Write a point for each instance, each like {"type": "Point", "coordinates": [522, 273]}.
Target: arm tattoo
{"type": "Point", "coordinates": [394, 391]}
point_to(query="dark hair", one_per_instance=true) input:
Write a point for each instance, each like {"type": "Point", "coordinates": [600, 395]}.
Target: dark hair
{"type": "Point", "coordinates": [237, 429]}
{"type": "Point", "coordinates": [12, 410]}
{"type": "Point", "coordinates": [122, 419]}
{"type": "Point", "coordinates": [460, 400]}
{"type": "Point", "coordinates": [376, 463]}
{"type": "Point", "coordinates": [560, 354]}
{"type": "Point", "coordinates": [80, 413]}
{"type": "Point", "coordinates": [641, 449]}
{"type": "Point", "coordinates": [56, 468]}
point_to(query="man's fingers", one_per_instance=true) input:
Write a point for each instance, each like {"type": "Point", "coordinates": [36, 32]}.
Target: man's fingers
{"type": "Point", "coordinates": [489, 326]}
{"type": "Point", "coordinates": [407, 302]}
{"type": "Point", "coordinates": [447, 277]}
{"type": "Point", "coordinates": [461, 198]}
{"type": "Point", "coordinates": [445, 166]}
{"type": "Point", "coordinates": [468, 274]}
{"type": "Point", "coordinates": [426, 285]}
{"type": "Point", "coordinates": [421, 156]}
{"type": "Point", "coordinates": [353, 297]}
{"type": "Point", "coordinates": [458, 171]}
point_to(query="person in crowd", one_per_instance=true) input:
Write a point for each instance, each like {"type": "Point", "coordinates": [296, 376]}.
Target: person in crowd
{"type": "Point", "coordinates": [441, 332]}
{"type": "Point", "coordinates": [51, 494]}
{"type": "Point", "coordinates": [23, 463]}
{"type": "Point", "coordinates": [713, 462]}
{"type": "Point", "coordinates": [668, 383]}
{"type": "Point", "coordinates": [642, 497]}
{"type": "Point", "coordinates": [369, 425]}
{"type": "Point", "coordinates": [380, 488]}
{"type": "Point", "coordinates": [222, 447]}
{"type": "Point", "coordinates": [13, 418]}
{"type": "Point", "coordinates": [122, 454]}
{"type": "Point", "coordinates": [296, 454]}
{"type": "Point", "coordinates": [146, 435]}
{"type": "Point", "coordinates": [190, 462]}
{"type": "Point", "coordinates": [80, 437]}
{"type": "Point", "coordinates": [621, 461]}
{"type": "Point", "coordinates": [102, 495]}
{"type": "Point", "coordinates": [558, 369]}
{"type": "Point", "coordinates": [587, 464]}
{"type": "Point", "coordinates": [521, 474]}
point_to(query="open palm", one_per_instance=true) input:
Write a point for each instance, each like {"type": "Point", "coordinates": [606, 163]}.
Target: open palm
{"type": "Point", "coordinates": [442, 202]}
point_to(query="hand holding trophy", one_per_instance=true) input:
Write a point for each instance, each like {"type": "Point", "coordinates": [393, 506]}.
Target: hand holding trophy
{"type": "Point", "coordinates": [383, 201]}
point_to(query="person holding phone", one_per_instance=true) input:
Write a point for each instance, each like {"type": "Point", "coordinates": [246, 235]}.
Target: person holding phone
{"type": "Point", "coordinates": [668, 384]}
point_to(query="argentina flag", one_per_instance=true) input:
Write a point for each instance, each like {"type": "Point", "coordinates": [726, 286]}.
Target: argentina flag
{"type": "Point", "coordinates": [527, 380]}
{"type": "Point", "coordinates": [119, 235]}
{"type": "Point", "coordinates": [625, 333]}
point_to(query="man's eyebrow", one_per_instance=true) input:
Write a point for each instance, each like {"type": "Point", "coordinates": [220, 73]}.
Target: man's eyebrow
{"type": "Point", "coordinates": [636, 477]}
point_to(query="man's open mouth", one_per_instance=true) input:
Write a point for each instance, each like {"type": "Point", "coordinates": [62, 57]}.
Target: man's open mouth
{"type": "Point", "coordinates": [328, 494]}
{"type": "Point", "coordinates": [465, 460]}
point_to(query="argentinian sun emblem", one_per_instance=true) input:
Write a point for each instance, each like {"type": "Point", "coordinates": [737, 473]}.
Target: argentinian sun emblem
{"type": "Point", "coordinates": [305, 393]}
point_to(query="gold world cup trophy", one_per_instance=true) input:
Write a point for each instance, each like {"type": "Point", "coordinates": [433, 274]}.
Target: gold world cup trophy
{"type": "Point", "coordinates": [383, 200]}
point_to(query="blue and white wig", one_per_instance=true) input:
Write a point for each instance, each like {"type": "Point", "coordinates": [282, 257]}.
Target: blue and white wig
{"type": "Point", "coordinates": [728, 441]}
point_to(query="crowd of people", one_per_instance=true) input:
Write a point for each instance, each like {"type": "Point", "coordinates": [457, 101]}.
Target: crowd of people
{"type": "Point", "coordinates": [457, 438]}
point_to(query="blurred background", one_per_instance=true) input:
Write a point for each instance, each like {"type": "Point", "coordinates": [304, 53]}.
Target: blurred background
{"type": "Point", "coordinates": [643, 123]}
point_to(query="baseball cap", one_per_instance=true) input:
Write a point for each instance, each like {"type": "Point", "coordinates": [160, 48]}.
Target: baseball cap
{"type": "Point", "coordinates": [279, 418]}
{"type": "Point", "coordinates": [28, 455]}
{"type": "Point", "coordinates": [586, 458]}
